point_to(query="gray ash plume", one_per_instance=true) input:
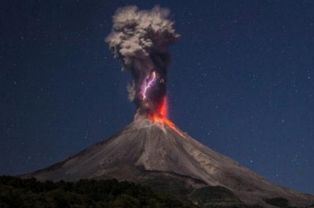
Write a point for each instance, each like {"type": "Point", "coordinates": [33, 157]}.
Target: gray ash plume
{"type": "Point", "coordinates": [140, 39]}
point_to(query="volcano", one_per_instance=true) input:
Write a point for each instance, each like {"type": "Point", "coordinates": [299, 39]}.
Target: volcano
{"type": "Point", "coordinates": [151, 150]}
{"type": "Point", "coordinates": [148, 152]}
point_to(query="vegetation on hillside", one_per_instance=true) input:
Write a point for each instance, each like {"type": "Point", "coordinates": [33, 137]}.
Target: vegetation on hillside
{"type": "Point", "coordinates": [30, 193]}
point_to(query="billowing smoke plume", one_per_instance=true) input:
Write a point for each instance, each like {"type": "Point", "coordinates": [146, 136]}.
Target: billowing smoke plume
{"type": "Point", "coordinates": [140, 39]}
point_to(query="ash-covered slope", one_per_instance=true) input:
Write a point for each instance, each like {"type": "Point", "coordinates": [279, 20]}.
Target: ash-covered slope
{"type": "Point", "coordinates": [146, 150]}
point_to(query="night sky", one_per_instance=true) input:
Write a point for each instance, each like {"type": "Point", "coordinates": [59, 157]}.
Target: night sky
{"type": "Point", "coordinates": [241, 81]}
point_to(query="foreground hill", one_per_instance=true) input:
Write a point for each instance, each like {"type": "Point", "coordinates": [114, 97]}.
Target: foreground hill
{"type": "Point", "coordinates": [30, 193]}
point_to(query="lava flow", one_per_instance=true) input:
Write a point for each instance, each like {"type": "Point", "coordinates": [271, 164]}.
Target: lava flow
{"type": "Point", "coordinates": [161, 116]}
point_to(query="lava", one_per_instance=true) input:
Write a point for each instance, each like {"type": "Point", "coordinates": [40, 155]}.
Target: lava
{"type": "Point", "coordinates": [161, 116]}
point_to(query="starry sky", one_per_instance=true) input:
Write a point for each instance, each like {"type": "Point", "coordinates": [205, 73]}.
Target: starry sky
{"type": "Point", "coordinates": [241, 81]}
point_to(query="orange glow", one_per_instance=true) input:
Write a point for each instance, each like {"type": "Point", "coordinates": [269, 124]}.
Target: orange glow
{"type": "Point", "coordinates": [161, 116]}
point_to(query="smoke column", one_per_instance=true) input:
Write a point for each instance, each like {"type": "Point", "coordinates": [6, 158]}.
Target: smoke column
{"type": "Point", "coordinates": [140, 39]}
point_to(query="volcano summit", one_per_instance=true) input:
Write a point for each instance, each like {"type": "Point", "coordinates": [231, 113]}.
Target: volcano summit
{"type": "Point", "coordinates": [152, 150]}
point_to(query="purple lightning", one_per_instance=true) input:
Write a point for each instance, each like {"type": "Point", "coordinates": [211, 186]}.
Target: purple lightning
{"type": "Point", "coordinates": [148, 84]}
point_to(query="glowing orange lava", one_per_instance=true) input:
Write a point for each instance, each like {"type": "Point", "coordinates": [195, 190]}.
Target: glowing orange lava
{"type": "Point", "coordinates": [161, 116]}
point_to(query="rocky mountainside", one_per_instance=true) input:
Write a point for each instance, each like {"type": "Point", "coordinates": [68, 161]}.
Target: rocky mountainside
{"type": "Point", "coordinates": [158, 154]}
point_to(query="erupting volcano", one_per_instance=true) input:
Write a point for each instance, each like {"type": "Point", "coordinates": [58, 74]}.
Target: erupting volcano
{"type": "Point", "coordinates": [151, 150]}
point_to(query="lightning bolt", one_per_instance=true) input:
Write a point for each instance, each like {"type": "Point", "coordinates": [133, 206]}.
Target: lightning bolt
{"type": "Point", "coordinates": [148, 84]}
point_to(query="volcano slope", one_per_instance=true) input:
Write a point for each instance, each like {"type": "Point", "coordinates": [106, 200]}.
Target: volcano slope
{"type": "Point", "coordinates": [157, 155]}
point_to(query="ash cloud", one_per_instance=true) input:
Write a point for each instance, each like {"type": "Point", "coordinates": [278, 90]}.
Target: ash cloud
{"type": "Point", "coordinates": [140, 39]}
